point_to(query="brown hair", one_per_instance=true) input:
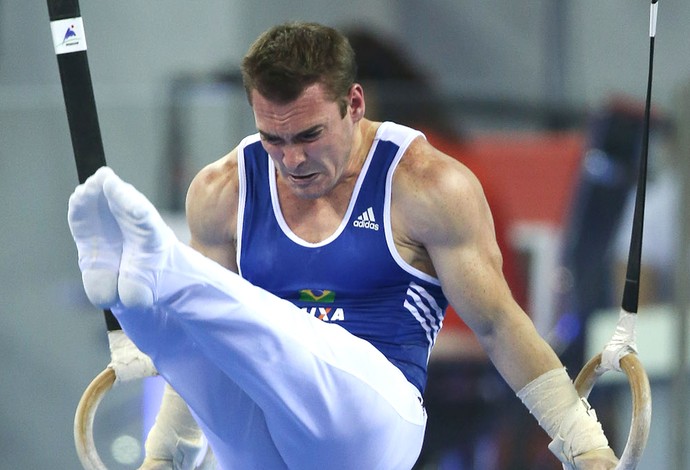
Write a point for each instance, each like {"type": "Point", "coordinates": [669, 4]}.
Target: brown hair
{"type": "Point", "coordinates": [289, 57]}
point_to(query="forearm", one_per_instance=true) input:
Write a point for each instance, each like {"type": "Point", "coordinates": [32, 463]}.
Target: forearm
{"type": "Point", "coordinates": [534, 371]}
{"type": "Point", "coordinates": [517, 351]}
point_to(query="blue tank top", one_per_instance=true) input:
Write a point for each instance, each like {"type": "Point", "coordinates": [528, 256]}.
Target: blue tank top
{"type": "Point", "coordinates": [355, 278]}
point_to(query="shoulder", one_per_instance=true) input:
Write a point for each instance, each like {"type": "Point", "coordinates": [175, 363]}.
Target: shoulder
{"type": "Point", "coordinates": [437, 191]}
{"type": "Point", "coordinates": [215, 180]}
{"type": "Point", "coordinates": [211, 205]}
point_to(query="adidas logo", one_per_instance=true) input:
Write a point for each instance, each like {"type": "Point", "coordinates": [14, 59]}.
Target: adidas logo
{"type": "Point", "coordinates": [366, 220]}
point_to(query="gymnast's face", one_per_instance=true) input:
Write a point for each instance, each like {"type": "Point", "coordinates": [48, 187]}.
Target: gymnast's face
{"type": "Point", "coordinates": [309, 140]}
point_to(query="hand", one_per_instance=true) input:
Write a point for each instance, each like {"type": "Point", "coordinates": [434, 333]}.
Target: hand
{"type": "Point", "coordinates": [598, 459]}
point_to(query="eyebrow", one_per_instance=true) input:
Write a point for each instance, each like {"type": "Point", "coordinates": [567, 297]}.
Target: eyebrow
{"type": "Point", "coordinates": [297, 136]}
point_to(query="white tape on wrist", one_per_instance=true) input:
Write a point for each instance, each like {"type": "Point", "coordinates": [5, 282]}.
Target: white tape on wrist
{"type": "Point", "coordinates": [622, 343]}
{"type": "Point", "coordinates": [568, 419]}
{"type": "Point", "coordinates": [176, 437]}
{"type": "Point", "coordinates": [126, 360]}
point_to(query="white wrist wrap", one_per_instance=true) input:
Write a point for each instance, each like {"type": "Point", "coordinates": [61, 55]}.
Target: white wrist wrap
{"type": "Point", "coordinates": [622, 343]}
{"type": "Point", "coordinates": [568, 419]}
{"type": "Point", "coordinates": [176, 437]}
{"type": "Point", "coordinates": [126, 360]}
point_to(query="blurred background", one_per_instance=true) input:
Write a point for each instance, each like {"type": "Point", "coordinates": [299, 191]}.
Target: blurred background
{"type": "Point", "coordinates": [542, 99]}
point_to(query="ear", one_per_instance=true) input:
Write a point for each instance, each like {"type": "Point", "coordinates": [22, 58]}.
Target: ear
{"type": "Point", "coordinates": [356, 102]}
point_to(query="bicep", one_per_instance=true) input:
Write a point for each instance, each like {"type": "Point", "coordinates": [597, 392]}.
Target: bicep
{"type": "Point", "coordinates": [470, 270]}
{"type": "Point", "coordinates": [471, 274]}
{"type": "Point", "coordinates": [443, 209]}
{"type": "Point", "coordinates": [453, 223]}
{"type": "Point", "coordinates": [467, 259]}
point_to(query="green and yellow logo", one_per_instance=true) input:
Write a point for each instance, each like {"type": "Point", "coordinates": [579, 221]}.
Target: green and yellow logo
{"type": "Point", "coordinates": [317, 295]}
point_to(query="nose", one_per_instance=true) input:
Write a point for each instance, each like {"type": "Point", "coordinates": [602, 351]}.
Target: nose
{"type": "Point", "coordinates": [293, 155]}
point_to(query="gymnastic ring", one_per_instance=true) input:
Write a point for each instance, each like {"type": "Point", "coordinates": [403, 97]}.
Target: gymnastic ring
{"type": "Point", "coordinates": [84, 417]}
{"type": "Point", "coordinates": [641, 401]}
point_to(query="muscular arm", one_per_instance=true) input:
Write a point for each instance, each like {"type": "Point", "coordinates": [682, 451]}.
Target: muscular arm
{"type": "Point", "coordinates": [451, 223]}
{"type": "Point", "coordinates": [443, 226]}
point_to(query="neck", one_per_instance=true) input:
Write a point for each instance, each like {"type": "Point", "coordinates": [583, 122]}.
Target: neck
{"type": "Point", "coordinates": [364, 133]}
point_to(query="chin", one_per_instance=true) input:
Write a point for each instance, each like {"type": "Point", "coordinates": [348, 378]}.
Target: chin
{"type": "Point", "coordinates": [308, 193]}
{"type": "Point", "coordinates": [314, 190]}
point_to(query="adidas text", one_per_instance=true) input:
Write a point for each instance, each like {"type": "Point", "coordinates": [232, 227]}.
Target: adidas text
{"type": "Point", "coordinates": [367, 220]}
{"type": "Point", "coordinates": [366, 224]}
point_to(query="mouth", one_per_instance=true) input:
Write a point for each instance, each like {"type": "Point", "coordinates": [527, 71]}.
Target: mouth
{"type": "Point", "coordinates": [303, 179]}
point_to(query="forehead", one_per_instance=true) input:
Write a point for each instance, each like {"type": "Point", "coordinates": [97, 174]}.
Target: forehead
{"type": "Point", "coordinates": [313, 107]}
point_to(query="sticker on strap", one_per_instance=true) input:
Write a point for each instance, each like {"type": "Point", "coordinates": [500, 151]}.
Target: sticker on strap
{"type": "Point", "coordinates": [68, 35]}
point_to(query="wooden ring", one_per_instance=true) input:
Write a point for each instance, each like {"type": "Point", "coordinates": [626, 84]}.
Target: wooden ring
{"type": "Point", "coordinates": [641, 400]}
{"type": "Point", "coordinates": [84, 417]}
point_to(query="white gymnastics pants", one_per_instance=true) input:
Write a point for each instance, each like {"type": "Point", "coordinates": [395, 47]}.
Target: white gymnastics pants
{"type": "Point", "coordinates": [271, 386]}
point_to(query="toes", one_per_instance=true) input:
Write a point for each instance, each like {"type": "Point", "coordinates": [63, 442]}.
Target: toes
{"type": "Point", "coordinates": [135, 293]}
{"type": "Point", "coordinates": [100, 286]}
{"type": "Point", "coordinates": [145, 236]}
